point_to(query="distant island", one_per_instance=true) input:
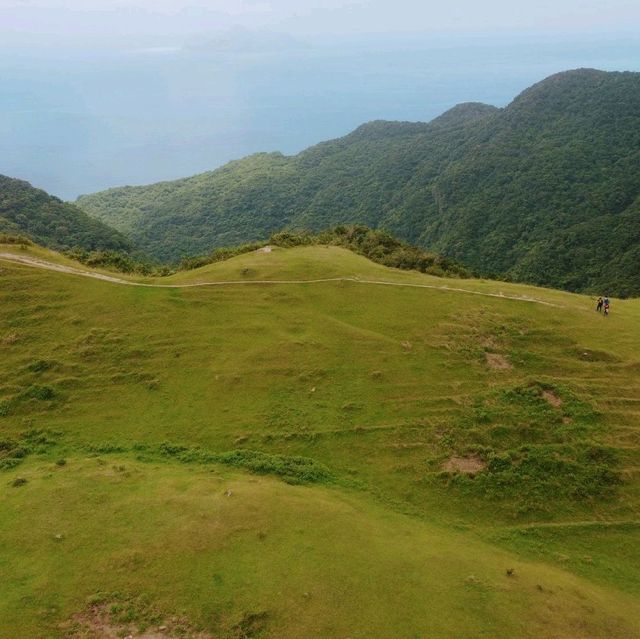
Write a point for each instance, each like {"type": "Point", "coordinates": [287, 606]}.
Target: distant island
{"type": "Point", "coordinates": [240, 40]}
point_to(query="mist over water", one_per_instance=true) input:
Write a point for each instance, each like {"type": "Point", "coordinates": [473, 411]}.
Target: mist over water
{"type": "Point", "coordinates": [76, 121]}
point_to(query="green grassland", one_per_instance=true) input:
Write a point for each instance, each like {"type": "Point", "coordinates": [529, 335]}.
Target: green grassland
{"type": "Point", "coordinates": [264, 459]}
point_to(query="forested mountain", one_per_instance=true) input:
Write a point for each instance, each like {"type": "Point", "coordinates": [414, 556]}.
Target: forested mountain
{"type": "Point", "coordinates": [25, 210]}
{"type": "Point", "coordinates": [545, 190]}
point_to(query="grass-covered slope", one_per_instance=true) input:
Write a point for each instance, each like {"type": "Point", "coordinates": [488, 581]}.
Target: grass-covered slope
{"type": "Point", "coordinates": [388, 455]}
{"type": "Point", "coordinates": [543, 191]}
{"type": "Point", "coordinates": [31, 212]}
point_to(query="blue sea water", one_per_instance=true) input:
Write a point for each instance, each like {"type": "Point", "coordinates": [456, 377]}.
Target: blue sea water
{"type": "Point", "coordinates": [76, 121]}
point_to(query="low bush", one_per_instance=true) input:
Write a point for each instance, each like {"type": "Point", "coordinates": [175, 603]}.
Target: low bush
{"type": "Point", "coordinates": [545, 473]}
{"type": "Point", "coordinates": [118, 261]}
{"type": "Point", "coordinates": [39, 366]}
{"type": "Point", "coordinates": [294, 470]}
{"type": "Point", "coordinates": [43, 393]}
{"type": "Point", "coordinates": [7, 238]}
{"type": "Point", "coordinates": [378, 246]}
{"type": "Point", "coordinates": [218, 255]}
{"type": "Point", "coordinates": [14, 451]}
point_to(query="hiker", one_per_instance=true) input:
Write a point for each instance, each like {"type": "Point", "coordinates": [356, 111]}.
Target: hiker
{"type": "Point", "coordinates": [606, 307]}
{"type": "Point", "coordinates": [599, 305]}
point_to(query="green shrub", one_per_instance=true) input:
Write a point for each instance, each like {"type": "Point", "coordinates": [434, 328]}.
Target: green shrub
{"type": "Point", "coordinates": [39, 366]}
{"type": "Point", "coordinates": [7, 238]}
{"type": "Point", "coordinates": [294, 470]}
{"type": "Point", "coordinates": [376, 245]}
{"type": "Point", "coordinates": [43, 393]}
{"type": "Point", "coordinates": [5, 407]}
{"type": "Point", "coordinates": [7, 463]}
{"type": "Point", "coordinates": [117, 261]}
{"type": "Point", "coordinates": [218, 255]}
{"type": "Point", "coordinates": [106, 448]}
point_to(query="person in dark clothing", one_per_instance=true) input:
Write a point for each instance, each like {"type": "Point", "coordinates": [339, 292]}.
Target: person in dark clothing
{"type": "Point", "coordinates": [606, 307]}
{"type": "Point", "coordinates": [599, 304]}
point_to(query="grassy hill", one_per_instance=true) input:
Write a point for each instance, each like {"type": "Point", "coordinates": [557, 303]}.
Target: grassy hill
{"type": "Point", "coordinates": [304, 443]}
{"type": "Point", "coordinates": [543, 191]}
{"type": "Point", "coordinates": [27, 211]}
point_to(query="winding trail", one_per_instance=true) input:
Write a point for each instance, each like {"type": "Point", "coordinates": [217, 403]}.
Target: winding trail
{"type": "Point", "coordinates": [70, 270]}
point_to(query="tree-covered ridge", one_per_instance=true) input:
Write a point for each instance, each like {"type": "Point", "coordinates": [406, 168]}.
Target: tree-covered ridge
{"type": "Point", "coordinates": [341, 181]}
{"type": "Point", "coordinates": [25, 210]}
{"type": "Point", "coordinates": [543, 191]}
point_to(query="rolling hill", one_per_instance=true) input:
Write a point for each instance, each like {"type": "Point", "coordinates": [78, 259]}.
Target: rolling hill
{"type": "Point", "coordinates": [545, 190]}
{"type": "Point", "coordinates": [301, 442]}
{"type": "Point", "coordinates": [31, 212]}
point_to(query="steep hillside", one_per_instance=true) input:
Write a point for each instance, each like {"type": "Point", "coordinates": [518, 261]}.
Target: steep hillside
{"type": "Point", "coordinates": [28, 211]}
{"type": "Point", "coordinates": [302, 443]}
{"type": "Point", "coordinates": [515, 192]}
{"type": "Point", "coordinates": [355, 179]}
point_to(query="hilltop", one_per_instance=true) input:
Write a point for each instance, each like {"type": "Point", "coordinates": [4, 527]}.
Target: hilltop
{"type": "Point", "coordinates": [33, 213]}
{"type": "Point", "coordinates": [301, 442]}
{"type": "Point", "coordinates": [545, 190]}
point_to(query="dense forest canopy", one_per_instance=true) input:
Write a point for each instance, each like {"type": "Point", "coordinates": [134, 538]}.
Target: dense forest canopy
{"type": "Point", "coordinates": [25, 210]}
{"type": "Point", "coordinates": [545, 190]}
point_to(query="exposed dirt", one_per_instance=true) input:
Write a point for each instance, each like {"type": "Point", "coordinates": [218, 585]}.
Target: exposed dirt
{"type": "Point", "coordinates": [464, 465]}
{"type": "Point", "coordinates": [498, 362]}
{"type": "Point", "coordinates": [11, 338]}
{"type": "Point", "coordinates": [98, 623]}
{"type": "Point", "coordinates": [488, 341]}
{"type": "Point", "coordinates": [552, 398]}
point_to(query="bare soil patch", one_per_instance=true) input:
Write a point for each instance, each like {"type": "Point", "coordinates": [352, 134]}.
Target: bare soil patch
{"type": "Point", "coordinates": [465, 465]}
{"type": "Point", "coordinates": [552, 398]}
{"type": "Point", "coordinates": [488, 341]}
{"type": "Point", "coordinates": [498, 362]}
{"type": "Point", "coordinates": [99, 622]}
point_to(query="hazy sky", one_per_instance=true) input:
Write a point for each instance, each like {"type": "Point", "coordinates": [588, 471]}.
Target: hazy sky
{"type": "Point", "coordinates": [24, 19]}
{"type": "Point", "coordinates": [98, 93]}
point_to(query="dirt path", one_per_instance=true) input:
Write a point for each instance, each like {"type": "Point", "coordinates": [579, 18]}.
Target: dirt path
{"type": "Point", "coordinates": [570, 524]}
{"type": "Point", "coordinates": [70, 270]}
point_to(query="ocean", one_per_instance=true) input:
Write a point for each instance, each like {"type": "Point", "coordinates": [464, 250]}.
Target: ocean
{"type": "Point", "coordinates": [74, 121]}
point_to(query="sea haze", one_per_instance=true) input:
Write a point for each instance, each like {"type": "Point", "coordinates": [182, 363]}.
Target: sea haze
{"type": "Point", "coordinates": [76, 121]}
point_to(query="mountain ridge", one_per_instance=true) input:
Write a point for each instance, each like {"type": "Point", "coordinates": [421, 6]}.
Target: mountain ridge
{"type": "Point", "coordinates": [493, 188]}
{"type": "Point", "coordinates": [46, 219]}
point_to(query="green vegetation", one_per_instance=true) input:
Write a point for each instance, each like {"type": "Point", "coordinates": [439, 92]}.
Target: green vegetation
{"type": "Point", "coordinates": [21, 240]}
{"type": "Point", "coordinates": [117, 261]}
{"type": "Point", "coordinates": [544, 191]}
{"type": "Point", "coordinates": [30, 213]}
{"type": "Point", "coordinates": [378, 246]}
{"type": "Point", "coordinates": [219, 255]}
{"type": "Point", "coordinates": [391, 454]}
